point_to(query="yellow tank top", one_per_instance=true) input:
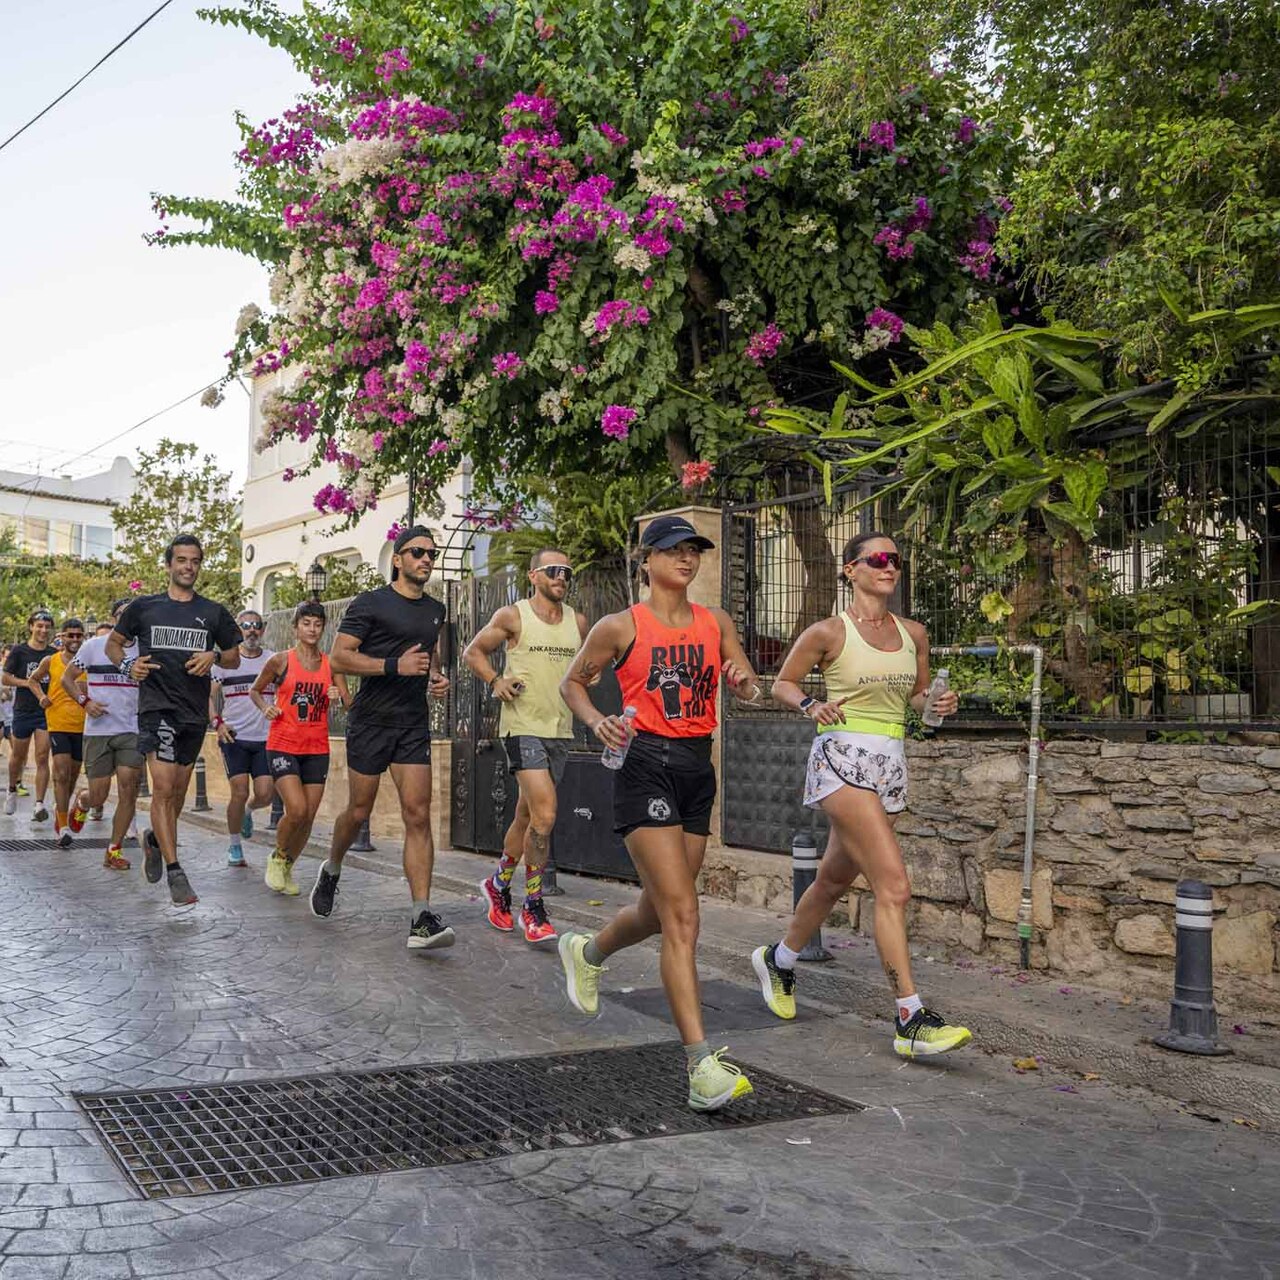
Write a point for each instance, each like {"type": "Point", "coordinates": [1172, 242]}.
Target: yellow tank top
{"type": "Point", "coordinates": [63, 714]}
{"type": "Point", "coordinates": [540, 658]}
{"type": "Point", "coordinates": [877, 684]}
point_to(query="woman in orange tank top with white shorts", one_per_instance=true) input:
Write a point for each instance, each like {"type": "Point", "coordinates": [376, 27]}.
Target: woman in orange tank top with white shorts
{"type": "Point", "coordinates": [298, 736]}
{"type": "Point", "coordinates": [669, 655]}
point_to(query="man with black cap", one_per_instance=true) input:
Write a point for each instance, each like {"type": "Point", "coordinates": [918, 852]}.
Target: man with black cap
{"type": "Point", "coordinates": [388, 638]}
{"type": "Point", "coordinates": [670, 656]}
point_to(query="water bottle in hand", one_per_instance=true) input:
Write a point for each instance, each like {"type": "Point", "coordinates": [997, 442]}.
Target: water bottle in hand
{"type": "Point", "coordinates": [612, 757]}
{"type": "Point", "coordinates": [939, 686]}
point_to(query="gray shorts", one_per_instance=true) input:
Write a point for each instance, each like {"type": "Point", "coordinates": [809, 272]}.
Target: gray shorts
{"type": "Point", "coordinates": [527, 752]}
{"type": "Point", "coordinates": [104, 754]}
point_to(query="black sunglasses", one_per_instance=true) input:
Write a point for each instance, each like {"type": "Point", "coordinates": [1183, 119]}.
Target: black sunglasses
{"type": "Point", "coordinates": [557, 571]}
{"type": "Point", "coordinates": [420, 553]}
{"type": "Point", "coordinates": [251, 626]}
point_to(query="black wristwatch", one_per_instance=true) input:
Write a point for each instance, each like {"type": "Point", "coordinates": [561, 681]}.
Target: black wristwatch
{"type": "Point", "coordinates": [805, 704]}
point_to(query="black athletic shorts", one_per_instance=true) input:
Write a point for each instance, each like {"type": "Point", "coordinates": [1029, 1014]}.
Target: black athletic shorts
{"type": "Point", "coordinates": [665, 782]}
{"type": "Point", "coordinates": [372, 747]}
{"type": "Point", "coordinates": [245, 757]}
{"type": "Point", "coordinates": [311, 769]}
{"type": "Point", "coordinates": [168, 741]}
{"type": "Point", "coordinates": [67, 744]}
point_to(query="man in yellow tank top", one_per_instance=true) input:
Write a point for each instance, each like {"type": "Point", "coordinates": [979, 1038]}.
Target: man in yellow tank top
{"type": "Point", "coordinates": [541, 638]}
{"type": "Point", "coordinates": [64, 715]}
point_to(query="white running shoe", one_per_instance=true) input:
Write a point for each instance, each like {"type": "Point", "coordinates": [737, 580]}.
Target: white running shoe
{"type": "Point", "coordinates": [11, 804]}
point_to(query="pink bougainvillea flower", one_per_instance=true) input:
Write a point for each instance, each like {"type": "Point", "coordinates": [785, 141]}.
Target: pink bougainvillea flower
{"type": "Point", "coordinates": [616, 420]}
{"type": "Point", "coordinates": [886, 320]}
{"type": "Point", "coordinates": [764, 345]}
{"type": "Point", "coordinates": [883, 134]}
{"type": "Point", "coordinates": [135, 586]}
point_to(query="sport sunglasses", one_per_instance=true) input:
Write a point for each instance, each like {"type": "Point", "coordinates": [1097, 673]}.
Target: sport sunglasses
{"type": "Point", "coordinates": [251, 626]}
{"type": "Point", "coordinates": [560, 571]}
{"type": "Point", "coordinates": [421, 553]}
{"type": "Point", "coordinates": [880, 560]}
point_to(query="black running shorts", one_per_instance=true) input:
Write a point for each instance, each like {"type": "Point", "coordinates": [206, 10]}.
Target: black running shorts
{"type": "Point", "coordinates": [167, 740]}
{"type": "Point", "coordinates": [371, 748]}
{"type": "Point", "coordinates": [665, 782]}
{"type": "Point", "coordinates": [311, 769]}
{"type": "Point", "coordinates": [66, 744]}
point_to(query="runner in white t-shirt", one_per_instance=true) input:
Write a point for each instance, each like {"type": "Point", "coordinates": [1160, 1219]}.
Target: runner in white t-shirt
{"type": "Point", "coordinates": [242, 734]}
{"type": "Point", "coordinates": [110, 701]}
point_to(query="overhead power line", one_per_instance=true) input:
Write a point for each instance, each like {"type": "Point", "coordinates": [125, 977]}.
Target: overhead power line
{"type": "Point", "coordinates": [13, 137]}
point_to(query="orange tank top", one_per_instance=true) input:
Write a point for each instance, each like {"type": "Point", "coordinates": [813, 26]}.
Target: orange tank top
{"type": "Point", "coordinates": [302, 727]}
{"type": "Point", "coordinates": [671, 674]}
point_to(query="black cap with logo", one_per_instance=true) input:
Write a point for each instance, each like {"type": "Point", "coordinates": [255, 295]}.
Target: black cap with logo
{"type": "Point", "coordinates": [666, 532]}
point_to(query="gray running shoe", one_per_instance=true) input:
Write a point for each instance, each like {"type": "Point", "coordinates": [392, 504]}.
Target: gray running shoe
{"type": "Point", "coordinates": [323, 892]}
{"type": "Point", "coordinates": [180, 889]}
{"type": "Point", "coordinates": [152, 863]}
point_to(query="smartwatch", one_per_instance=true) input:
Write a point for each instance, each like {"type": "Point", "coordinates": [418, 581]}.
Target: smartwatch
{"type": "Point", "coordinates": [391, 667]}
{"type": "Point", "coordinates": [805, 703]}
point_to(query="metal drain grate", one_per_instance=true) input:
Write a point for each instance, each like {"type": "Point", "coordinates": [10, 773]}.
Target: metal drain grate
{"type": "Point", "coordinates": [181, 1142]}
{"type": "Point", "coordinates": [49, 845]}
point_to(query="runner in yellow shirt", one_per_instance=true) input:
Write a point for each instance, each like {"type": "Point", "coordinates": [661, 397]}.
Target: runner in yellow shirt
{"type": "Point", "coordinates": [541, 638]}
{"type": "Point", "coordinates": [65, 717]}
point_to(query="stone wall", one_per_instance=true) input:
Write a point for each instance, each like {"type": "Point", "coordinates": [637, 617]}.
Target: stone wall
{"type": "Point", "coordinates": [1117, 825]}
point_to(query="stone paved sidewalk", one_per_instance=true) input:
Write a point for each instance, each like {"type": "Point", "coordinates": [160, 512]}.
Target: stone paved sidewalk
{"type": "Point", "coordinates": [959, 1168]}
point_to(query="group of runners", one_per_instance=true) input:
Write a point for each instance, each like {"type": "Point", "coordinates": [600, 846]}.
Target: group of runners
{"type": "Point", "coordinates": [175, 662]}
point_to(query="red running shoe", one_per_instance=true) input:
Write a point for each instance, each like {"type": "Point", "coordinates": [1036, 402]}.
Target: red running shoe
{"type": "Point", "coordinates": [77, 818]}
{"type": "Point", "coordinates": [534, 922]}
{"type": "Point", "coordinates": [499, 901]}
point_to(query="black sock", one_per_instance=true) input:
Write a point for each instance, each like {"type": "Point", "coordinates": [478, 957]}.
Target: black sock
{"type": "Point", "coordinates": [174, 866]}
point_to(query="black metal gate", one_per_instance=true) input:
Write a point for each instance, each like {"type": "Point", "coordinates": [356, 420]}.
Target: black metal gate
{"type": "Point", "coordinates": [483, 793]}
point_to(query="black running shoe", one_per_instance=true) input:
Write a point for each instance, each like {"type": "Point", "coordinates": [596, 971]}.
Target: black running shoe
{"type": "Point", "coordinates": [180, 889]}
{"type": "Point", "coordinates": [323, 892]}
{"type": "Point", "coordinates": [429, 932]}
{"type": "Point", "coordinates": [152, 863]}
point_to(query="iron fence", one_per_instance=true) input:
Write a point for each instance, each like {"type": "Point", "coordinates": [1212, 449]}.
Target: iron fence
{"type": "Point", "coordinates": [1161, 621]}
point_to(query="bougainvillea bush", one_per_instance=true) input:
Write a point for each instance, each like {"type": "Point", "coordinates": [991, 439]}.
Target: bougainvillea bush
{"type": "Point", "coordinates": [579, 237]}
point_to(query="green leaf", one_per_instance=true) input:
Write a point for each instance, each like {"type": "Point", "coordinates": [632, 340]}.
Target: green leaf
{"type": "Point", "coordinates": [1085, 483]}
{"type": "Point", "coordinates": [826, 482]}
{"type": "Point", "coordinates": [1179, 312]}
{"type": "Point", "coordinates": [1065, 512]}
{"type": "Point", "coordinates": [999, 435]}
{"type": "Point", "coordinates": [1171, 410]}
{"type": "Point", "coordinates": [1082, 374]}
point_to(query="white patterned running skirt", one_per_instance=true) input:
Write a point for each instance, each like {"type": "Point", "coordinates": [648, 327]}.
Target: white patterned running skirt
{"type": "Point", "coordinates": [868, 761]}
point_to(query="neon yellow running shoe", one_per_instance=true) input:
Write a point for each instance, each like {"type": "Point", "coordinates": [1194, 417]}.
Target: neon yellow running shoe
{"type": "Point", "coordinates": [778, 986]}
{"type": "Point", "coordinates": [581, 979]}
{"type": "Point", "coordinates": [927, 1033]}
{"type": "Point", "coordinates": [291, 889]}
{"type": "Point", "coordinates": [713, 1083]}
{"type": "Point", "coordinates": [276, 876]}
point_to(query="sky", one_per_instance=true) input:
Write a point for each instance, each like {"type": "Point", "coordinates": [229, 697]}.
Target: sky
{"type": "Point", "coordinates": [98, 330]}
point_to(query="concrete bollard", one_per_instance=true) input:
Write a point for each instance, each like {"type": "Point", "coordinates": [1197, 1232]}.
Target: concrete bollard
{"type": "Point", "coordinates": [804, 871]}
{"type": "Point", "coordinates": [202, 804]}
{"type": "Point", "coordinates": [362, 843]}
{"type": "Point", "coordinates": [550, 889]}
{"type": "Point", "coordinates": [277, 812]}
{"type": "Point", "coordinates": [1193, 1020]}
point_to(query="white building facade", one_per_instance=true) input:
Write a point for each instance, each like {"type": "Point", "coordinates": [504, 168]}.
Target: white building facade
{"type": "Point", "coordinates": [283, 533]}
{"type": "Point", "coordinates": [61, 516]}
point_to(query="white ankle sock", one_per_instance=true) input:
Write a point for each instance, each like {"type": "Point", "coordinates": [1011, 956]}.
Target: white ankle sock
{"type": "Point", "coordinates": [908, 1007]}
{"type": "Point", "coordinates": [784, 957]}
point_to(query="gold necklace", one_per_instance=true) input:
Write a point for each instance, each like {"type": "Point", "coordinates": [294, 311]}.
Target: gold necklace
{"type": "Point", "coordinates": [870, 622]}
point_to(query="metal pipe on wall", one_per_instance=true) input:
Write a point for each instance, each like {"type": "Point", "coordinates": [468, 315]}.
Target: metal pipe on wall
{"type": "Point", "coordinates": [1033, 773]}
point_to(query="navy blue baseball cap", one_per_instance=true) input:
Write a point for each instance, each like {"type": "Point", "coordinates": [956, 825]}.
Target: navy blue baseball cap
{"type": "Point", "coordinates": [670, 531]}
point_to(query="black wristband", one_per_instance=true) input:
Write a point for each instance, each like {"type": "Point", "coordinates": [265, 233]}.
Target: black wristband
{"type": "Point", "coordinates": [391, 667]}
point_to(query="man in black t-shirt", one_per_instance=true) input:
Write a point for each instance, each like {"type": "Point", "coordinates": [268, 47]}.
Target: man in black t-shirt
{"type": "Point", "coordinates": [180, 636]}
{"type": "Point", "coordinates": [28, 715]}
{"type": "Point", "coordinates": [389, 639]}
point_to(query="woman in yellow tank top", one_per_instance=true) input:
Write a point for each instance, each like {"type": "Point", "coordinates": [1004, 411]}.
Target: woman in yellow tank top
{"type": "Point", "coordinates": [875, 665]}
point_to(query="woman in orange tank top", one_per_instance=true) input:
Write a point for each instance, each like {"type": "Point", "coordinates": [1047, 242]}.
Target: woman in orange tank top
{"type": "Point", "coordinates": [669, 655]}
{"type": "Point", "coordinates": [298, 736]}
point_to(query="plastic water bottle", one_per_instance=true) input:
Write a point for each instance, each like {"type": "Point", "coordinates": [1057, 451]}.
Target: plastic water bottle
{"type": "Point", "coordinates": [939, 686]}
{"type": "Point", "coordinates": [612, 757]}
